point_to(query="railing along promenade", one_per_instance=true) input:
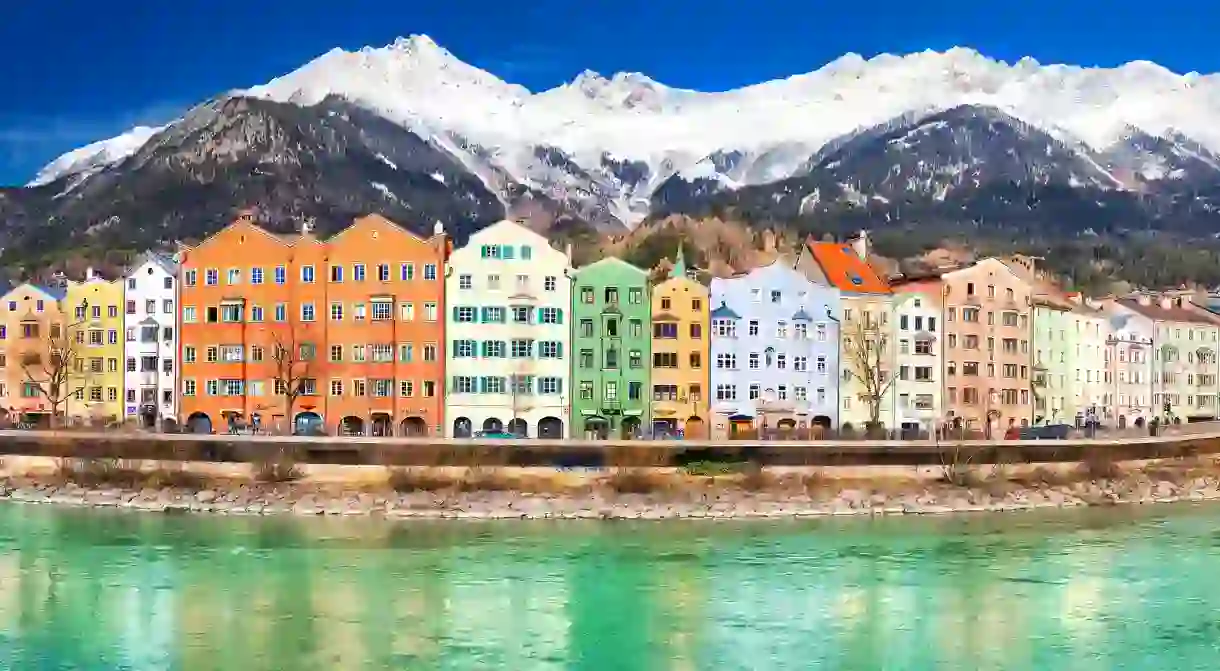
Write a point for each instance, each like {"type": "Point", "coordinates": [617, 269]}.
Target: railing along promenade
{"type": "Point", "coordinates": [577, 453]}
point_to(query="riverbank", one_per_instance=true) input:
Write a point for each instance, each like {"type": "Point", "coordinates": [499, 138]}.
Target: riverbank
{"type": "Point", "coordinates": [700, 492]}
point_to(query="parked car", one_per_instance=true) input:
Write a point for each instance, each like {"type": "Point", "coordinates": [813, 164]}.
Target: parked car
{"type": "Point", "coordinates": [495, 435]}
{"type": "Point", "coordinates": [1047, 432]}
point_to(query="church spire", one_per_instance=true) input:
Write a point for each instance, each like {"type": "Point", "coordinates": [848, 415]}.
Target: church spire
{"type": "Point", "coordinates": [679, 269]}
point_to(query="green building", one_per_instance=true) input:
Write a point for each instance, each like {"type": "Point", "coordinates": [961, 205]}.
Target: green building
{"type": "Point", "coordinates": [611, 353]}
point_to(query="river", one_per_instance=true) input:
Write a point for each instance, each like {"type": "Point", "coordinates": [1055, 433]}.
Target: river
{"type": "Point", "coordinates": [1117, 588]}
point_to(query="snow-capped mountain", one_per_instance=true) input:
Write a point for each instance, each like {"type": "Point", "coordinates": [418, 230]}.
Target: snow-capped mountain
{"type": "Point", "coordinates": [496, 128]}
{"type": "Point", "coordinates": [411, 130]}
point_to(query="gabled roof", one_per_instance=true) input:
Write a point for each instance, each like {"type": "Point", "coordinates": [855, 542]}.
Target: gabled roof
{"type": "Point", "coordinates": [53, 293]}
{"type": "Point", "coordinates": [1173, 313]}
{"type": "Point", "coordinates": [845, 270]}
{"type": "Point", "coordinates": [157, 259]}
{"type": "Point", "coordinates": [724, 312]}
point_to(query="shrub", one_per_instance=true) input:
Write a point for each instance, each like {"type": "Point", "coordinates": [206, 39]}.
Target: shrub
{"type": "Point", "coordinates": [281, 466]}
{"type": "Point", "coordinates": [1098, 463]}
{"type": "Point", "coordinates": [708, 468]}
{"type": "Point", "coordinates": [635, 481]}
{"type": "Point", "coordinates": [405, 480]}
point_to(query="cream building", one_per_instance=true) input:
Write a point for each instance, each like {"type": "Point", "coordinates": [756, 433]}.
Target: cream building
{"type": "Point", "coordinates": [917, 325]}
{"type": "Point", "coordinates": [509, 295]}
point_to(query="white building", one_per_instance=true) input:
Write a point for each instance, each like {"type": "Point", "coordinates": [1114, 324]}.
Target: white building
{"type": "Point", "coordinates": [917, 332]}
{"type": "Point", "coordinates": [1132, 336]}
{"type": "Point", "coordinates": [507, 361]}
{"type": "Point", "coordinates": [150, 294]}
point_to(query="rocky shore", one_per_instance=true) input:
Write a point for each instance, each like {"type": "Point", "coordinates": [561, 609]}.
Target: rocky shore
{"type": "Point", "coordinates": [709, 501]}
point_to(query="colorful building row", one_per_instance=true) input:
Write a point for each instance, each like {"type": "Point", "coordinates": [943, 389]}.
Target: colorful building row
{"type": "Point", "coordinates": [378, 331]}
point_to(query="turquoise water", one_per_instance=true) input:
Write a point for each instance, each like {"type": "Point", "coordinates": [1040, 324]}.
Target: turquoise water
{"type": "Point", "coordinates": [1105, 589]}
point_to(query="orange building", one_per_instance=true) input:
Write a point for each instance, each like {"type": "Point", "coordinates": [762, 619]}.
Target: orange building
{"type": "Point", "coordinates": [267, 332]}
{"type": "Point", "coordinates": [385, 358]}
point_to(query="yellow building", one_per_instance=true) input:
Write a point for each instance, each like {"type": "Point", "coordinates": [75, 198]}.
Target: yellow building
{"type": "Point", "coordinates": [680, 353]}
{"type": "Point", "coordinates": [95, 326]}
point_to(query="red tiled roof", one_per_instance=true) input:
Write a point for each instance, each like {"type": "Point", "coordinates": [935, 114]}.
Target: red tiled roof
{"type": "Point", "coordinates": [845, 270]}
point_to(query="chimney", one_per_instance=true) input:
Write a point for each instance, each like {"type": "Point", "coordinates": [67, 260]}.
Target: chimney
{"type": "Point", "coordinates": [1166, 302]}
{"type": "Point", "coordinates": [568, 250]}
{"type": "Point", "coordinates": [438, 228]}
{"type": "Point", "coordinates": [860, 245]}
{"type": "Point", "coordinates": [88, 273]}
{"type": "Point", "coordinates": [1145, 299]}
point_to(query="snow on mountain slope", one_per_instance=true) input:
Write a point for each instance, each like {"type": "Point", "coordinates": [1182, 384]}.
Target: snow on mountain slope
{"type": "Point", "coordinates": [93, 157]}
{"type": "Point", "coordinates": [496, 128]}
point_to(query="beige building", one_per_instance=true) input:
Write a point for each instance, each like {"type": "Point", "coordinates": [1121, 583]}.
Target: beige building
{"type": "Point", "coordinates": [986, 355]}
{"type": "Point", "coordinates": [33, 387]}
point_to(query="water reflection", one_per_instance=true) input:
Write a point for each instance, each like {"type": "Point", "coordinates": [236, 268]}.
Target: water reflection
{"type": "Point", "coordinates": [1092, 590]}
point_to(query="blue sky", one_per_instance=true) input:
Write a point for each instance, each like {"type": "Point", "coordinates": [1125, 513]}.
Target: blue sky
{"type": "Point", "coordinates": [82, 70]}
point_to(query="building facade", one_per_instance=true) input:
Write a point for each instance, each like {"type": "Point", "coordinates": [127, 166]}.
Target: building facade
{"type": "Point", "coordinates": [1129, 344]}
{"type": "Point", "coordinates": [1055, 345]}
{"type": "Point", "coordinates": [97, 321]}
{"type": "Point", "coordinates": [772, 351]}
{"type": "Point", "coordinates": [917, 325]}
{"type": "Point", "coordinates": [34, 326]}
{"type": "Point", "coordinates": [507, 327]}
{"type": "Point", "coordinates": [385, 344]}
{"type": "Point", "coordinates": [867, 390]}
{"type": "Point", "coordinates": [681, 344]}
{"type": "Point", "coordinates": [1184, 362]}
{"type": "Point", "coordinates": [987, 345]}
{"type": "Point", "coordinates": [611, 350]}
{"type": "Point", "coordinates": [150, 341]}
{"type": "Point", "coordinates": [252, 325]}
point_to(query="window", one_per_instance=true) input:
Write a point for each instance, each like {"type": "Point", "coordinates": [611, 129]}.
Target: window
{"type": "Point", "coordinates": [494, 349]}
{"type": "Point", "coordinates": [358, 272]}
{"type": "Point", "coordinates": [430, 271]}
{"type": "Point", "coordinates": [586, 390]}
{"type": "Point", "coordinates": [551, 385]}
{"type": "Point", "coordinates": [189, 277]}
{"type": "Point", "coordinates": [465, 281]}
{"type": "Point", "coordinates": [696, 360]}
{"type": "Point", "coordinates": [726, 361]}
{"type": "Point", "coordinates": [211, 277]}
{"type": "Point", "coordinates": [233, 276]}
{"type": "Point", "coordinates": [307, 312]}
{"type": "Point", "coordinates": [586, 328]}
{"type": "Point", "coordinates": [724, 328]}
{"type": "Point", "coordinates": [550, 349]}
{"type": "Point", "coordinates": [522, 348]}
{"type": "Point", "coordinates": [463, 348]}
{"type": "Point", "coordinates": [463, 315]}
{"type": "Point", "coordinates": [665, 330]}
{"type": "Point", "coordinates": [726, 392]}
{"type": "Point", "coordinates": [307, 275]}
{"type": "Point", "coordinates": [430, 312]}
{"type": "Point", "coordinates": [383, 272]}
{"type": "Point", "coordinates": [493, 315]}
{"type": "Point", "coordinates": [635, 359]}
{"type": "Point", "coordinates": [664, 360]}
{"type": "Point", "coordinates": [406, 272]}
{"type": "Point", "coordinates": [406, 388]}
{"type": "Point", "coordinates": [281, 312]}
{"type": "Point", "coordinates": [383, 311]}
{"type": "Point", "coordinates": [336, 273]}
{"type": "Point", "coordinates": [281, 274]}
{"type": "Point", "coordinates": [230, 313]}
{"type": "Point", "coordinates": [550, 316]}
{"type": "Point", "coordinates": [586, 295]}
{"type": "Point", "coordinates": [548, 283]}
{"type": "Point", "coordinates": [521, 315]}
{"type": "Point", "coordinates": [753, 327]}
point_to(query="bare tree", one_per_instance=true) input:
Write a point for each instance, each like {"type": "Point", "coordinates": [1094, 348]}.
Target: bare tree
{"type": "Point", "coordinates": [293, 362]}
{"type": "Point", "coordinates": [54, 366]}
{"type": "Point", "coordinates": [865, 353]}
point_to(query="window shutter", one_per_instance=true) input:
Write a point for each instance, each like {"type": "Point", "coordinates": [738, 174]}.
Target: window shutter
{"type": "Point", "coordinates": [455, 313]}
{"type": "Point", "coordinates": [558, 315]}
{"type": "Point", "coordinates": [559, 350]}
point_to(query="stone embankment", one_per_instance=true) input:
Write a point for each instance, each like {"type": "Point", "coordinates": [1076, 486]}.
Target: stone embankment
{"type": "Point", "coordinates": [640, 495]}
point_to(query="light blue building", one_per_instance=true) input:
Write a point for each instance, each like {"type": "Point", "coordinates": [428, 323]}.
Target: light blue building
{"type": "Point", "coordinates": [774, 350]}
